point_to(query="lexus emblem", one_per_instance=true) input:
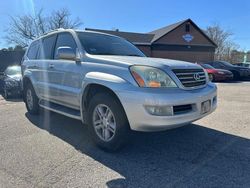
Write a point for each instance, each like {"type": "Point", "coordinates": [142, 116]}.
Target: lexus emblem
{"type": "Point", "coordinates": [197, 76]}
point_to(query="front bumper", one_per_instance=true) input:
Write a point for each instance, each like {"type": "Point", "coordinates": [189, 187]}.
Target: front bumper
{"type": "Point", "coordinates": [134, 103]}
{"type": "Point", "coordinates": [14, 90]}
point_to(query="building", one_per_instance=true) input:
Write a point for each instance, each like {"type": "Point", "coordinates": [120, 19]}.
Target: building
{"type": "Point", "coordinates": [182, 41]}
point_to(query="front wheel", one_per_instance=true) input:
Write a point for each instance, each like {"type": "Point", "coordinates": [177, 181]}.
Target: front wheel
{"type": "Point", "coordinates": [108, 122]}
{"type": "Point", "coordinates": [5, 93]}
{"type": "Point", "coordinates": [236, 75]}
{"type": "Point", "coordinates": [31, 100]}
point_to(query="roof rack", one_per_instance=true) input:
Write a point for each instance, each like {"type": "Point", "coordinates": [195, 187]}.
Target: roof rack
{"type": "Point", "coordinates": [58, 29]}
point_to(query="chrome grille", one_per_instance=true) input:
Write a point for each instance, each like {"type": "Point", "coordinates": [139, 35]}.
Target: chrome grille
{"type": "Point", "coordinates": [191, 77]}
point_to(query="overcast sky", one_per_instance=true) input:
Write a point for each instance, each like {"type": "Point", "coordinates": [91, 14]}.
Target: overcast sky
{"type": "Point", "coordinates": [141, 15]}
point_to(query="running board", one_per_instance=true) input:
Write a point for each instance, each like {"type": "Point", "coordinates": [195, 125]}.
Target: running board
{"type": "Point", "coordinates": [66, 111]}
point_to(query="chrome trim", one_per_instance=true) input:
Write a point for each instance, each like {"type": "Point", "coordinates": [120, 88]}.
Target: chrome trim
{"type": "Point", "coordinates": [194, 81]}
{"type": "Point", "coordinates": [187, 73]}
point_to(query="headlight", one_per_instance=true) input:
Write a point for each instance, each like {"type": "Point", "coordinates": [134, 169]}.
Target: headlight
{"type": "Point", "coordinates": [146, 76]}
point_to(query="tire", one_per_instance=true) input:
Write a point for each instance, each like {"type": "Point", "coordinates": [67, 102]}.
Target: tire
{"type": "Point", "coordinates": [236, 76]}
{"type": "Point", "coordinates": [5, 93]}
{"type": "Point", "coordinates": [118, 132]}
{"type": "Point", "coordinates": [31, 100]}
{"type": "Point", "coordinates": [211, 77]}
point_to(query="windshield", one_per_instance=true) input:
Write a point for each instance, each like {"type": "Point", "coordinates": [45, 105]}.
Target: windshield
{"type": "Point", "coordinates": [100, 44]}
{"type": "Point", "coordinates": [13, 70]}
{"type": "Point", "coordinates": [206, 66]}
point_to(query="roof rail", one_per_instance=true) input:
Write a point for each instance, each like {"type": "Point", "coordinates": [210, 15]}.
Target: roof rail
{"type": "Point", "coordinates": [58, 29]}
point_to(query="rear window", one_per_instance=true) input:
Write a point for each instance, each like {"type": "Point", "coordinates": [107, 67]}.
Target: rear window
{"type": "Point", "coordinates": [33, 49]}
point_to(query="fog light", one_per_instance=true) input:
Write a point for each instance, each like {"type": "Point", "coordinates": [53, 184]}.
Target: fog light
{"type": "Point", "coordinates": [160, 110]}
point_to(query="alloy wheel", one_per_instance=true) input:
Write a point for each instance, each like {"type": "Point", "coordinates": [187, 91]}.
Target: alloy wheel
{"type": "Point", "coordinates": [104, 122]}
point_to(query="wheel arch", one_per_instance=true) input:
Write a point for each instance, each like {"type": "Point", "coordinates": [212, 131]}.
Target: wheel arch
{"type": "Point", "coordinates": [92, 89]}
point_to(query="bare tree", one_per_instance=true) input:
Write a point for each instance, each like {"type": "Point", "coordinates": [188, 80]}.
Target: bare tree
{"type": "Point", "coordinates": [223, 40]}
{"type": "Point", "coordinates": [25, 28]}
{"type": "Point", "coordinates": [61, 19]}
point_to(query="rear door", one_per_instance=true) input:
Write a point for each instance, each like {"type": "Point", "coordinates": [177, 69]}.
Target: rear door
{"type": "Point", "coordinates": [45, 84]}
{"type": "Point", "coordinates": [29, 62]}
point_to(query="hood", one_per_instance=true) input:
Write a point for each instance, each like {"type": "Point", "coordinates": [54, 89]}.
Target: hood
{"type": "Point", "coordinates": [16, 77]}
{"type": "Point", "coordinates": [148, 61]}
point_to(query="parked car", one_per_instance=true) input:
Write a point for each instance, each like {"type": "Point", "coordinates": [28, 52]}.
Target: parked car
{"type": "Point", "coordinates": [109, 84]}
{"type": "Point", "coordinates": [247, 64]}
{"type": "Point", "coordinates": [12, 81]}
{"type": "Point", "coordinates": [217, 74]}
{"type": "Point", "coordinates": [238, 72]}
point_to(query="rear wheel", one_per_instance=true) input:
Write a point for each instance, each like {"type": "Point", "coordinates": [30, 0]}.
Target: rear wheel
{"type": "Point", "coordinates": [107, 122]}
{"type": "Point", "coordinates": [31, 100]}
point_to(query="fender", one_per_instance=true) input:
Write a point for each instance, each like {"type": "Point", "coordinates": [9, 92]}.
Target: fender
{"type": "Point", "coordinates": [110, 81]}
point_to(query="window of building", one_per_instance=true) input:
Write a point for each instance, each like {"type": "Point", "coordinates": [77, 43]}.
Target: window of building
{"type": "Point", "coordinates": [188, 27]}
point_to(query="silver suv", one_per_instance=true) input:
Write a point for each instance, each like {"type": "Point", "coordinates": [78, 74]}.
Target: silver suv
{"type": "Point", "coordinates": [109, 84]}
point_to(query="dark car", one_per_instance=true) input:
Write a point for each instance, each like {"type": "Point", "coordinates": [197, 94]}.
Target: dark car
{"type": "Point", "coordinates": [12, 81]}
{"type": "Point", "coordinates": [217, 74]}
{"type": "Point", "coordinates": [238, 72]}
{"type": "Point", "coordinates": [247, 64]}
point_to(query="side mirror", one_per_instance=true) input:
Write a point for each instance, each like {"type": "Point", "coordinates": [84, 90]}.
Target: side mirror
{"type": "Point", "coordinates": [66, 52]}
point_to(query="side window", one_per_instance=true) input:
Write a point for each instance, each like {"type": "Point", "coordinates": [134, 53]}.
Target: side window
{"type": "Point", "coordinates": [47, 47]}
{"type": "Point", "coordinates": [220, 65]}
{"type": "Point", "coordinates": [32, 53]}
{"type": "Point", "coordinates": [215, 65]}
{"type": "Point", "coordinates": [65, 39]}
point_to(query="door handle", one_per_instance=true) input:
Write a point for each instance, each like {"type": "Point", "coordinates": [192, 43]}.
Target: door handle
{"type": "Point", "coordinates": [51, 66]}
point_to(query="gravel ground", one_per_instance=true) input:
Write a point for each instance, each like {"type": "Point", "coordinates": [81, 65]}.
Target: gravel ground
{"type": "Point", "coordinates": [51, 150]}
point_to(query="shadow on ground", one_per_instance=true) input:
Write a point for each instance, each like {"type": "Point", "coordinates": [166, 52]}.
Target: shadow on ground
{"type": "Point", "coordinates": [191, 156]}
{"type": "Point", "coordinates": [14, 98]}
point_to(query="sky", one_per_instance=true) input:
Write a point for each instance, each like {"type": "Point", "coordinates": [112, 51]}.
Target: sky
{"type": "Point", "coordinates": [140, 15]}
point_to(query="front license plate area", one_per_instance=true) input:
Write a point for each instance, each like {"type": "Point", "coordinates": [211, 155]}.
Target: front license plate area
{"type": "Point", "coordinates": [205, 106]}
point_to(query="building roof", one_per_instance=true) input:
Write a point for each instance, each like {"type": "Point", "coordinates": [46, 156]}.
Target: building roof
{"type": "Point", "coordinates": [140, 38]}
{"type": "Point", "coordinates": [158, 33]}
{"type": "Point", "coordinates": [151, 37]}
